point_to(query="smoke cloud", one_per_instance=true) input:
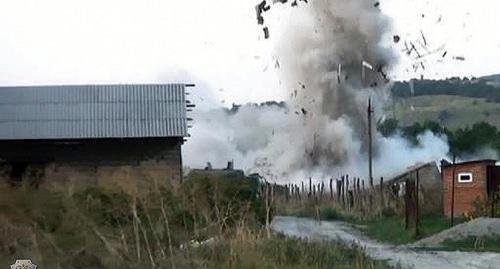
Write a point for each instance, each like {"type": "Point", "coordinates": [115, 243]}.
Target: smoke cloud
{"type": "Point", "coordinates": [332, 60]}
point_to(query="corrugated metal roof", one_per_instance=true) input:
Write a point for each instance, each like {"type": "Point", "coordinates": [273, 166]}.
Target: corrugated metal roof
{"type": "Point", "coordinates": [93, 111]}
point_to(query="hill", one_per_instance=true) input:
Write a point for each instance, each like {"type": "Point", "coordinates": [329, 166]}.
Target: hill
{"type": "Point", "coordinates": [451, 111]}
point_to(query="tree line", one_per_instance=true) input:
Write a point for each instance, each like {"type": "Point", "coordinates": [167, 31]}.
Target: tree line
{"type": "Point", "coordinates": [477, 88]}
{"type": "Point", "coordinates": [462, 141]}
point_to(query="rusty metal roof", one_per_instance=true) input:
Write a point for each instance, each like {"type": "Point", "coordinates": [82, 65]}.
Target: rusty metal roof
{"type": "Point", "coordinates": [93, 111]}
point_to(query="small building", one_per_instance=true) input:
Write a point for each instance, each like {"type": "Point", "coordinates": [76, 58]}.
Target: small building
{"type": "Point", "coordinates": [468, 182]}
{"type": "Point", "coordinates": [429, 185]}
{"type": "Point", "coordinates": [93, 132]}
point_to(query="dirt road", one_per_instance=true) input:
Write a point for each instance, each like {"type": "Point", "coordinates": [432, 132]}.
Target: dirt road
{"type": "Point", "coordinates": [405, 257]}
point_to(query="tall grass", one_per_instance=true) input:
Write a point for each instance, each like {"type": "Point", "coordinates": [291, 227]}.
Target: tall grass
{"type": "Point", "coordinates": [215, 223]}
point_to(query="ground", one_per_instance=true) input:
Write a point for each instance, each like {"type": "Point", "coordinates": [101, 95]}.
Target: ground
{"type": "Point", "coordinates": [402, 256]}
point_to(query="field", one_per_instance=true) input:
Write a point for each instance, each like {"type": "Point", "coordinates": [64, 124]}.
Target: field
{"type": "Point", "coordinates": [451, 111]}
{"type": "Point", "coordinates": [216, 223]}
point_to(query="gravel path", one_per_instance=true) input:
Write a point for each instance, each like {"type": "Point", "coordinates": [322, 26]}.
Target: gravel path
{"type": "Point", "coordinates": [480, 227]}
{"type": "Point", "coordinates": [403, 256]}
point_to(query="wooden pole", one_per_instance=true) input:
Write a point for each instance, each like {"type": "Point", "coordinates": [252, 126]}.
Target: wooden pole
{"type": "Point", "coordinates": [370, 152]}
{"type": "Point", "coordinates": [417, 213]}
{"type": "Point", "coordinates": [382, 192]}
{"type": "Point", "coordinates": [453, 192]}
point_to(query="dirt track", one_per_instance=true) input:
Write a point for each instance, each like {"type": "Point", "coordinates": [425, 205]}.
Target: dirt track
{"type": "Point", "coordinates": [403, 256]}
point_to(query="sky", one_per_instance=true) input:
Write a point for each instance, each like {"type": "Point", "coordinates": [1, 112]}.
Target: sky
{"type": "Point", "coordinates": [216, 44]}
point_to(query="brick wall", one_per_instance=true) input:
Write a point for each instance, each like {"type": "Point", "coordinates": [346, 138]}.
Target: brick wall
{"type": "Point", "coordinates": [465, 193]}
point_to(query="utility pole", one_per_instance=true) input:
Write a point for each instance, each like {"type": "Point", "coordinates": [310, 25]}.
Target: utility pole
{"type": "Point", "coordinates": [453, 191]}
{"type": "Point", "coordinates": [370, 153]}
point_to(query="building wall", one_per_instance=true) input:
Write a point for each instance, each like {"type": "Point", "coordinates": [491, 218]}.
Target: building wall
{"type": "Point", "coordinates": [430, 189]}
{"type": "Point", "coordinates": [465, 193]}
{"type": "Point", "coordinates": [134, 166]}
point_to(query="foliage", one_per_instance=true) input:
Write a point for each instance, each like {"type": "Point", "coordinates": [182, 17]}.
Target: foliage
{"type": "Point", "coordinates": [204, 223]}
{"type": "Point", "coordinates": [392, 229]}
{"type": "Point", "coordinates": [463, 141]}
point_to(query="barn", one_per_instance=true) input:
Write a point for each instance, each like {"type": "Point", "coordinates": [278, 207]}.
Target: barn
{"type": "Point", "coordinates": [85, 134]}
{"type": "Point", "coordinates": [467, 182]}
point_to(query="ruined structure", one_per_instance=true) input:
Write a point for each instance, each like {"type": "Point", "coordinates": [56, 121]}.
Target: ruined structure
{"type": "Point", "coordinates": [93, 134]}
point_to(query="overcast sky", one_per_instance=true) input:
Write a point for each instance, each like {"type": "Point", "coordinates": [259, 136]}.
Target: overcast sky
{"type": "Point", "coordinates": [215, 43]}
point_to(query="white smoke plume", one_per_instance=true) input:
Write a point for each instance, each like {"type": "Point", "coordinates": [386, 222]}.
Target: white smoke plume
{"type": "Point", "coordinates": [321, 132]}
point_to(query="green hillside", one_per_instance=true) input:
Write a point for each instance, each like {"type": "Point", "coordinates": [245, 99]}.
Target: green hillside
{"type": "Point", "coordinates": [451, 111]}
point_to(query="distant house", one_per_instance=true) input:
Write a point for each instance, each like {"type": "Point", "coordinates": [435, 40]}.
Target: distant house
{"type": "Point", "coordinates": [88, 132]}
{"type": "Point", "coordinates": [472, 181]}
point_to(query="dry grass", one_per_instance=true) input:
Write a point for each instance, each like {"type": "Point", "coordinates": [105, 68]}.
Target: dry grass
{"type": "Point", "coordinates": [202, 224]}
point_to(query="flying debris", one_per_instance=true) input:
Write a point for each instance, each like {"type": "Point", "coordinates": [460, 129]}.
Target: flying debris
{"type": "Point", "coordinates": [339, 73]}
{"type": "Point", "coordinates": [277, 64]}
{"type": "Point", "coordinates": [367, 65]}
{"type": "Point", "coordinates": [260, 8]}
{"type": "Point", "coordinates": [423, 37]}
{"type": "Point", "coordinates": [444, 54]}
{"type": "Point", "coordinates": [459, 58]}
{"type": "Point", "coordinates": [396, 38]}
{"type": "Point", "coordinates": [364, 65]}
{"type": "Point", "coordinates": [303, 111]}
{"type": "Point", "coordinates": [266, 32]}
{"type": "Point", "coordinates": [377, 4]}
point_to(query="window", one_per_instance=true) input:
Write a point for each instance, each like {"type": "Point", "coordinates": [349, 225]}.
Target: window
{"type": "Point", "coordinates": [464, 177]}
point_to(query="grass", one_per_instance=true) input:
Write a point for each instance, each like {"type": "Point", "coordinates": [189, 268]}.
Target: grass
{"type": "Point", "coordinates": [392, 229]}
{"type": "Point", "coordinates": [385, 227]}
{"type": "Point", "coordinates": [472, 244]}
{"type": "Point", "coordinates": [99, 228]}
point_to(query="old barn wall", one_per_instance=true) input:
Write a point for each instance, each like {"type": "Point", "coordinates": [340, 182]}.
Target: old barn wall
{"type": "Point", "coordinates": [131, 165]}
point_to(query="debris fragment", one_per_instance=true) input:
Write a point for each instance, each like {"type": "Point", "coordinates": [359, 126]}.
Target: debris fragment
{"type": "Point", "coordinates": [260, 8]}
{"type": "Point", "coordinates": [303, 111]}
{"type": "Point", "coordinates": [423, 37]}
{"type": "Point", "coordinates": [266, 32]}
{"type": "Point", "coordinates": [367, 65]}
{"type": "Point", "coordinates": [444, 54]}
{"type": "Point", "coordinates": [339, 73]}
{"type": "Point", "coordinates": [277, 64]}
{"type": "Point", "coordinates": [459, 58]}
{"type": "Point", "coordinates": [396, 38]}
{"type": "Point", "coordinates": [377, 4]}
